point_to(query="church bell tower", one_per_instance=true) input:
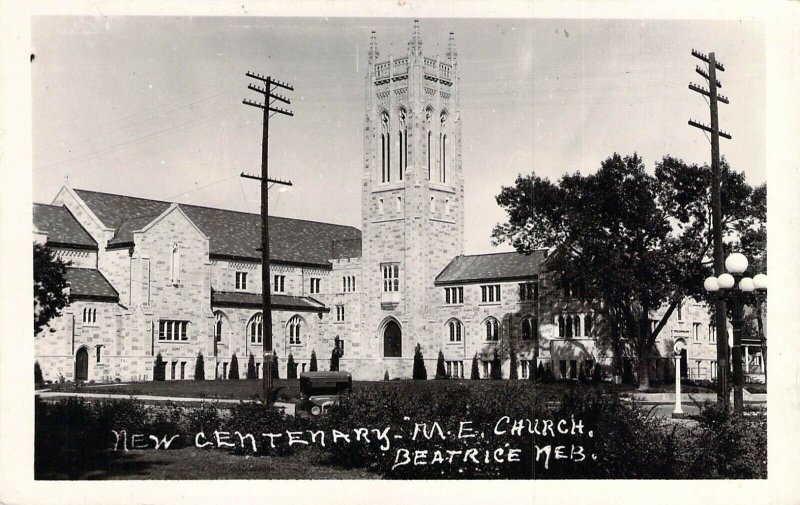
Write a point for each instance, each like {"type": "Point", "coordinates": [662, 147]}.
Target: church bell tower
{"type": "Point", "coordinates": [412, 199]}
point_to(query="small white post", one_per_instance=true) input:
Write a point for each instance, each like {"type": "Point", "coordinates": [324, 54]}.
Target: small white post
{"type": "Point", "coordinates": [678, 409]}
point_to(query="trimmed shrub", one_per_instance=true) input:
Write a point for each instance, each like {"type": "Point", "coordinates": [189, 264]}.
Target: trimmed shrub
{"type": "Point", "coordinates": [275, 371]}
{"type": "Point", "coordinates": [159, 368]}
{"type": "Point", "coordinates": [336, 353]}
{"type": "Point", "coordinates": [312, 366]}
{"type": "Point", "coordinates": [38, 380]}
{"type": "Point", "coordinates": [199, 368]}
{"type": "Point", "coordinates": [251, 367]}
{"type": "Point", "coordinates": [291, 368]}
{"type": "Point", "coordinates": [475, 373]}
{"type": "Point", "coordinates": [233, 370]}
{"type": "Point", "coordinates": [386, 375]}
{"type": "Point", "coordinates": [496, 372]}
{"type": "Point", "coordinates": [419, 372]}
{"type": "Point", "coordinates": [441, 373]}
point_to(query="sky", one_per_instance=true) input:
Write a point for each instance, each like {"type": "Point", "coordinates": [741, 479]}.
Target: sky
{"type": "Point", "coordinates": [152, 106]}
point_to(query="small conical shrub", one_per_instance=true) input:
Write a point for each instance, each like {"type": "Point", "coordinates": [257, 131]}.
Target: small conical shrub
{"type": "Point", "coordinates": [419, 372]}
{"type": "Point", "coordinates": [496, 372]}
{"type": "Point", "coordinates": [441, 373]}
{"type": "Point", "coordinates": [512, 374]}
{"type": "Point", "coordinates": [291, 368]}
{"type": "Point", "coordinates": [386, 375]}
{"type": "Point", "coordinates": [159, 368]}
{"type": "Point", "coordinates": [275, 372]}
{"type": "Point", "coordinates": [233, 372]}
{"type": "Point", "coordinates": [38, 380]}
{"type": "Point", "coordinates": [199, 368]}
{"type": "Point", "coordinates": [312, 366]}
{"type": "Point", "coordinates": [251, 367]}
{"type": "Point", "coordinates": [475, 372]}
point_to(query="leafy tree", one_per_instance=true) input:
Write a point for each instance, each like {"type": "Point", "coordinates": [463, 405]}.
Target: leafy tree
{"type": "Point", "coordinates": [475, 372]}
{"type": "Point", "coordinates": [251, 367]}
{"type": "Point", "coordinates": [497, 370]}
{"type": "Point", "coordinates": [275, 371]}
{"type": "Point", "coordinates": [441, 372]}
{"type": "Point", "coordinates": [336, 353]}
{"type": "Point", "coordinates": [38, 379]}
{"type": "Point", "coordinates": [199, 368]}
{"type": "Point", "coordinates": [291, 368]}
{"type": "Point", "coordinates": [49, 286]}
{"type": "Point", "coordinates": [419, 372]}
{"type": "Point", "coordinates": [637, 241]}
{"type": "Point", "coordinates": [233, 371]}
{"type": "Point", "coordinates": [159, 368]}
{"type": "Point", "coordinates": [312, 366]}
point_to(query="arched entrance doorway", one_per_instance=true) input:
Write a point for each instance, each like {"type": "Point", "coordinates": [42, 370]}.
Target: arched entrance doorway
{"type": "Point", "coordinates": [392, 340]}
{"type": "Point", "coordinates": [82, 365]}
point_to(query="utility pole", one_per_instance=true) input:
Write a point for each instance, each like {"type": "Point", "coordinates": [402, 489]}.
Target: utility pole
{"type": "Point", "coordinates": [270, 97]}
{"type": "Point", "coordinates": [723, 391]}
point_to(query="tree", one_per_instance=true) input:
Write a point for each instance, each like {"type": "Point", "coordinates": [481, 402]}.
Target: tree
{"type": "Point", "coordinates": [419, 372]}
{"type": "Point", "coordinates": [251, 367]}
{"type": "Point", "coordinates": [386, 375]}
{"type": "Point", "coordinates": [275, 372]}
{"type": "Point", "coordinates": [199, 368]}
{"type": "Point", "coordinates": [475, 372]}
{"type": "Point", "coordinates": [233, 371]}
{"type": "Point", "coordinates": [49, 286]}
{"type": "Point", "coordinates": [651, 230]}
{"type": "Point", "coordinates": [312, 366]}
{"type": "Point", "coordinates": [291, 368]}
{"type": "Point", "coordinates": [159, 368]}
{"type": "Point", "coordinates": [497, 371]}
{"type": "Point", "coordinates": [336, 353]}
{"type": "Point", "coordinates": [441, 373]}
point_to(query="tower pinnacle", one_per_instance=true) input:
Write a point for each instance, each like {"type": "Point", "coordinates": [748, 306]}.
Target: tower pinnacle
{"type": "Point", "coordinates": [416, 40]}
{"type": "Point", "coordinates": [452, 55]}
{"type": "Point", "coordinates": [373, 48]}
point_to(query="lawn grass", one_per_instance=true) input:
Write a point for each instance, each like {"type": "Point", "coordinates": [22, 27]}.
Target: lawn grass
{"type": "Point", "coordinates": [194, 464]}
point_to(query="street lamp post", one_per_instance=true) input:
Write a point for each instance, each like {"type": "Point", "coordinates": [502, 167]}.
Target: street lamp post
{"type": "Point", "coordinates": [678, 348]}
{"type": "Point", "coordinates": [736, 264]}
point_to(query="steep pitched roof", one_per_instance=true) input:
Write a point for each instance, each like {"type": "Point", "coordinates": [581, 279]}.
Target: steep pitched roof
{"type": "Point", "coordinates": [88, 283]}
{"type": "Point", "coordinates": [231, 233]}
{"type": "Point", "coordinates": [279, 302]}
{"type": "Point", "coordinates": [61, 227]}
{"type": "Point", "coordinates": [491, 267]}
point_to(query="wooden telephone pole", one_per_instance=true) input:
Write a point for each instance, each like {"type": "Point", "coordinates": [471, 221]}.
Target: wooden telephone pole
{"type": "Point", "coordinates": [266, 299]}
{"type": "Point", "coordinates": [723, 391]}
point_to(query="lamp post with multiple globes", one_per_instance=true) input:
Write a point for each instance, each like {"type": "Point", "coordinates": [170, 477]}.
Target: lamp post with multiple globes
{"type": "Point", "coordinates": [736, 264]}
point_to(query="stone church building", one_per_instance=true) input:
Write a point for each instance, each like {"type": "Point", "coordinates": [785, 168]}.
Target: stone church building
{"type": "Point", "coordinates": [149, 277]}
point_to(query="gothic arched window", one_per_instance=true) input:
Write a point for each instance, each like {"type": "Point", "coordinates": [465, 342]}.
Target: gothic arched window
{"type": "Point", "coordinates": [295, 326]}
{"type": "Point", "coordinates": [443, 147]}
{"type": "Point", "coordinates": [218, 325]}
{"type": "Point", "coordinates": [385, 147]}
{"type": "Point", "coordinates": [428, 118]}
{"type": "Point", "coordinates": [402, 146]}
{"type": "Point", "coordinates": [492, 328]}
{"type": "Point", "coordinates": [529, 328]}
{"type": "Point", "coordinates": [561, 327]}
{"type": "Point", "coordinates": [455, 330]}
{"type": "Point", "coordinates": [255, 329]}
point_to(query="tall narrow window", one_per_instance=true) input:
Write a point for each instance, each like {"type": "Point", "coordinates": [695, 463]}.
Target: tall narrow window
{"type": "Point", "coordinates": [295, 326]}
{"type": "Point", "coordinates": [391, 278]}
{"type": "Point", "coordinates": [429, 155]}
{"type": "Point", "coordinates": [443, 147]}
{"type": "Point", "coordinates": [402, 144]}
{"type": "Point", "coordinates": [454, 330]}
{"type": "Point", "coordinates": [255, 329]}
{"type": "Point", "coordinates": [492, 329]}
{"type": "Point", "coordinates": [218, 322]}
{"type": "Point", "coordinates": [175, 264]}
{"type": "Point", "coordinates": [279, 284]}
{"type": "Point", "coordinates": [241, 280]}
{"type": "Point", "coordinates": [385, 148]}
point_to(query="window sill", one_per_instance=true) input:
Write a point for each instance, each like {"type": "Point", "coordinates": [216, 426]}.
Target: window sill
{"type": "Point", "coordinates": [483, 304]}
{"type": "Point", "coordinates": [174, 342]}
{"type": "Point", "coordinates": [455, 343]}
{"type": "Point", "coordinates": [453, 304]}
{"type": "Point", "coordinates": [296, 345]}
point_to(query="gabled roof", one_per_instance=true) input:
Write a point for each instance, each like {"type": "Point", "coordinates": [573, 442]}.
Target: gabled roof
{"type": "Point", "coordinates": [491, 267]}
{"type": "Point", "coordinates": [231, 234]}
{"type": "Point", "coordinates": [61, 227]}
{"type": "Point", "coordinates": [279, 302]}
{"type": "Point", "coordinates": [90, 284]}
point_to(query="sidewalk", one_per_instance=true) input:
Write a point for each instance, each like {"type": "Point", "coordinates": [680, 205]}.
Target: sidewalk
{"type": "Point", "coordinates": [687, 398]}
{"type": "Point", "coordinates": [288, 408]}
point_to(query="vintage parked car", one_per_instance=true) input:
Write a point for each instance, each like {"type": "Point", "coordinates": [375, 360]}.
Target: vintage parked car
{"type": "Point", "coordinates": [320, 390]}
